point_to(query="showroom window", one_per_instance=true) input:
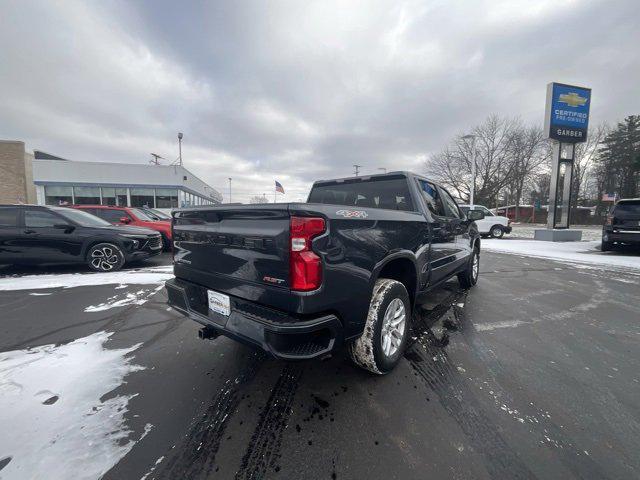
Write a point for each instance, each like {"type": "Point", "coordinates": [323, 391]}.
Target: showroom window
{"type": "Point", "coordinates": [58, 195]}
{"type": "Point", "coordinates": [166, 198]}
{"type": "Point", "coordinates": [86, 195]}
{"type": "Point", "coordinates": [108, 196]}
{"type": "Point", "coordinates": [142, 197]}
{"type": "Point", "coordinates": [121, 197]}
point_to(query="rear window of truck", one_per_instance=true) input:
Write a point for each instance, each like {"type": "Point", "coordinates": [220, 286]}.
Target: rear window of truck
{"type": "Point", "coordinates": [388, 193]}
{"type": "Point", "coordinates": [628, 208]}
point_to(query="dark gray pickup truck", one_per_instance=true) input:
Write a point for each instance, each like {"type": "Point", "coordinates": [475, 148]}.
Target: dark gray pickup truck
{"type": "Point", "coordinates": [301, 279]}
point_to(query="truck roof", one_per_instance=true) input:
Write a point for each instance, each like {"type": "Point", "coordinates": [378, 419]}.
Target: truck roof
{"type": "Point", "coordinates": [396, 173]}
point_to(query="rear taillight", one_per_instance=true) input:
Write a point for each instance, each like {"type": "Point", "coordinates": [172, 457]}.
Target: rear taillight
{"type": "Point", "coordinates": [609, 220]}
{"type": "Point", "coordinates": [305, 267]}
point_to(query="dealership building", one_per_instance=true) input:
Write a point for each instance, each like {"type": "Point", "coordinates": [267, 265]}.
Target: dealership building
{"type": "Point", "coordinates": [58, 181]}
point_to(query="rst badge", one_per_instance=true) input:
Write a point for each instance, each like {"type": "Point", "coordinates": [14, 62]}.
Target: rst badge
{"type": "Point", "coordinates": [352, 213]}
{"type": "Point", "coordinates": [277, 281]}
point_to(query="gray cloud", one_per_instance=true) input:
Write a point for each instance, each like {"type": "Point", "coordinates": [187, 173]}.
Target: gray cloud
{"type": "Point", "coordinates": [297, 91]}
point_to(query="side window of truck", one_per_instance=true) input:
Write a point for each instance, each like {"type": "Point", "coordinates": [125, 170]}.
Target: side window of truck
{"type": "Point", "coordinates": [450, 205]}
{"type": "Point", "coordinates": [432, 198]}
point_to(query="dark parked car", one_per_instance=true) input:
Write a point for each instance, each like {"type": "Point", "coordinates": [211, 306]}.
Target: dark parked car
{"type": "Point", "coordinates": [349, 266]}
{"type": "Point", "coordinates": [31, 234]}
{"type": "Point", "coordinates": [135, 217]}
{"type": "Point", "coordinates": [623, 225]}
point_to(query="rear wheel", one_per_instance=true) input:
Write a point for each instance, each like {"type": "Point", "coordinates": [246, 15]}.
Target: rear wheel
{"type": "Point", "coordinates": [386, 331]}
{"type": "Point", "coordinates": [497, 231]}
{"type": "Point", "coordinates": [469, 277]}
{"type": "Point", "coordinates": [105, 257]}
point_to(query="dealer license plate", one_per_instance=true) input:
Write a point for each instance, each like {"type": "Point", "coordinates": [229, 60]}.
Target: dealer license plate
{"type": "Point", "coordinates": [219, 303]}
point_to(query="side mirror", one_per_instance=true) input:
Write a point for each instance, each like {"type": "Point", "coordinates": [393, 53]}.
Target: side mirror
{"type": "Point", "coordinates": [125, 220]}
{"type": "Point", "coordinates": [474, 215]}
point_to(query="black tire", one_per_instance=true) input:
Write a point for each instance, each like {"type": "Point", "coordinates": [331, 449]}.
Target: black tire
{"type": "Point", "coordinates": [497, 231]}
{"type": "Point", "coordinates": [606, 246]}
{"type": "Point", "coordinates": [469, 277]}
{"type": "Point", "coordinates": [375, 351]}
{"type": "Point", "coordinates": [105, 257]}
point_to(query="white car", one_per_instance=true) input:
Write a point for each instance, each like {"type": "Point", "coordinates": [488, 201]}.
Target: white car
{"type": "Point", "coordinates": [491, 224]}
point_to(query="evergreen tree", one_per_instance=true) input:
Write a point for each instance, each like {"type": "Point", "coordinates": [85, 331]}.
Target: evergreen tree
{"type": "Point", "coordinates": [618, 162]}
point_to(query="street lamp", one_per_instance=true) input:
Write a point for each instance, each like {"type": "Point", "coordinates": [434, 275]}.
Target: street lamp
{"type": "Point", "coordinates": [383, 169]}
{"type": "Point", "coordinates": [473, 165]}
{"type": "Point", "coordinates": [180, 147]}
{"type": "Point", "coordinates": [229, 189]}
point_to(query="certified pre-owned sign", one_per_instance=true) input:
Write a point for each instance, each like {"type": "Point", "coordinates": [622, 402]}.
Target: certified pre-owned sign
{"type": "Point", "coordinates": [567, 112]}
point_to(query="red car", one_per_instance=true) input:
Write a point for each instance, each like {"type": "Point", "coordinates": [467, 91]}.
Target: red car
{"type": "Point", "coordinates": [130, 216]}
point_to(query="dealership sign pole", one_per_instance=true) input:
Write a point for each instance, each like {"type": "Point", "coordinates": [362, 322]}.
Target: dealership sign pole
{"type": "Point", "coordinates": [566, 123]}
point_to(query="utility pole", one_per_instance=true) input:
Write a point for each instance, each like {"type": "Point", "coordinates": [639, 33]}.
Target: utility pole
{"type": "Point", "coordinates": [229, 189]}
{"type": "Point", "coordinates": [180, 147]}
{"type": "Point", "coordinates": [473, 165]}
{"type": "Point", "coordinates": [155, 158]}
{"type": "Point", "coordinates": [357, 169]}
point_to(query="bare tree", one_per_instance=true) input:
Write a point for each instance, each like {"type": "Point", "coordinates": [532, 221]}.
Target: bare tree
{"type": "Point", "coordinates": [529, 154]}
{"type": "Point", "coordinates": [584, 157]}
{"type": "Point", "coordinates": [259, 199]}
{"type": "Point", "coordinates": [494, 161]}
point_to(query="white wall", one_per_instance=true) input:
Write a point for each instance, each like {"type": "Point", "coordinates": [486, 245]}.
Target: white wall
{"type": "Point", "coordinates": [119, 174]}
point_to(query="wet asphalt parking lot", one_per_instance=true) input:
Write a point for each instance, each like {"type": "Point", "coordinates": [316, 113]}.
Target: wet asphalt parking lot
{"type": "Point", "coordinates": [534, 373]}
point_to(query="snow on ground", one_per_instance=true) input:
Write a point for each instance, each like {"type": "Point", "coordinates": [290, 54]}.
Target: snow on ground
{"type": "Point", "coordinates": [54, 423]}
{"type": "Point", "coordinates": [568, 252]}
{"type": "Point", "coordinates": [142, 276]}
{"type": "Point", "coordinates": [527, 230]}
{"type": "Point", "coordinates": [140, 297]}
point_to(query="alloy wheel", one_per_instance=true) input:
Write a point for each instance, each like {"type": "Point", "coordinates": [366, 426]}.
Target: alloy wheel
{"type": "Point", "coordinates": [476, 265]}
{"type": "Point", "coordinates": [104, 258]}
{"type": "Point", "coordinates": [393, 327]}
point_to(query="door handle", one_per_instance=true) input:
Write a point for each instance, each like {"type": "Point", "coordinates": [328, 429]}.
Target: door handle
{"type": "Point", "coordinates": [29, 231]}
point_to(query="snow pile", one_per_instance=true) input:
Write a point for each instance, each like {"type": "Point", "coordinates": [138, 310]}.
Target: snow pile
{"type": "Point", "coordinates": [69, 280]}
{"type": "Point", "coordinates": [54, 424]}
{"type": "Point", "coordinates": [140, 297]}
{"type": "Point", "coordinates": [569, 252]}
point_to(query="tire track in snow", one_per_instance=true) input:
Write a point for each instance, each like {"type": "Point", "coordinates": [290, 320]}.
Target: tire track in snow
{"type": "Point", "coordinates": [196, 457]}
{"type": "Point", "coordinates": [437, 372]}
{"type": "Point", "coordinates": [263, 451]}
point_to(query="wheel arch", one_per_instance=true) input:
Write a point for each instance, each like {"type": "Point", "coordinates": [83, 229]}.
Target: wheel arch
{"type": "Point", "coordinates": [95, 241]}
{"type": "Point", "coordinates": [401, 267]}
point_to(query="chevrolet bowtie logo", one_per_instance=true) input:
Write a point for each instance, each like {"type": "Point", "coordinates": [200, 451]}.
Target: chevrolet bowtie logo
{"type": "Point", "coordinates": [572, 99]}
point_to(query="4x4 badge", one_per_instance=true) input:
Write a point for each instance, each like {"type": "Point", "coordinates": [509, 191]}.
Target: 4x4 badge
{"type": "Point", "coordinates": [352, 213]}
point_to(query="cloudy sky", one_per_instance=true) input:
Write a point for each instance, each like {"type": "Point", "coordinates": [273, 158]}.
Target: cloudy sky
{"type": "Point", "coordinates": [297, 91]}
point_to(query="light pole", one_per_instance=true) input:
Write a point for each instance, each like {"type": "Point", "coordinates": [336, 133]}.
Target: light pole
{"type": "Point", "coordinates": [180, 147]}
{"type": "Point", "coordinates": [357, 169]}
{"type": "Point", "coordinates": [473, 165]}
{"type": "Point", "coordinates": [229, 189]}
{"type": "Point", "coordinates": [384, 170]}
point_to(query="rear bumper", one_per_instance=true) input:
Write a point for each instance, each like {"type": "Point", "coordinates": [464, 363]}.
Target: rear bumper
{"type": "Point", "coordinates": [282, 335]}
{"type": "Point", "coordinates": [621, 236]}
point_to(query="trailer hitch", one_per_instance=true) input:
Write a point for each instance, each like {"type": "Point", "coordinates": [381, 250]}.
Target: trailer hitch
{"type": "Point", "coordinates": [208, 333]}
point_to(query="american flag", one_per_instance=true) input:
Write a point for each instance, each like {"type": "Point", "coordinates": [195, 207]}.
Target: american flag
{"type": "Point", "coordinates": [279, 187]}
{"type": "Point", "coordinates": [606, 197]}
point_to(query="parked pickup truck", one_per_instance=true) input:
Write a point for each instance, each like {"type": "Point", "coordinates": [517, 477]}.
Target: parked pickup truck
{"type": "Point", "coordinates": [302, 279]}
{"type": "Point", "coordinates": [493, 225]}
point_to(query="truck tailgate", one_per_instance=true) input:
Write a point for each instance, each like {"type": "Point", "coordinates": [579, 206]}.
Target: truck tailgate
{"type": "Point", "coordinates": [247, 242]}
